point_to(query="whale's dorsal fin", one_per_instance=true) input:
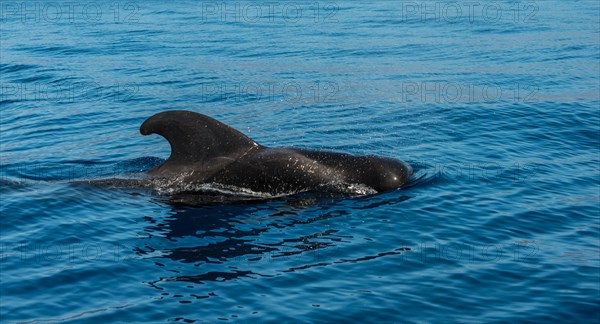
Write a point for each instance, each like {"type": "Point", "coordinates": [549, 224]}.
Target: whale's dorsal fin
{"type": "Point", "coordinates": [196, 138]}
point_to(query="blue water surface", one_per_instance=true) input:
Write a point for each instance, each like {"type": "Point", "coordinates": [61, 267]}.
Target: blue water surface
{"type": "Point", "coordinates": [496, 104]}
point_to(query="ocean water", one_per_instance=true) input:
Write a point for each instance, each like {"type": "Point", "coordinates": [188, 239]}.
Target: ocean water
{"type": "Point", "coordinates": [495, 103]}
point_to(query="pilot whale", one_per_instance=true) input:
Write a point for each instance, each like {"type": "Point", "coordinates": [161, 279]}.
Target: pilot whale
{"type": "Point", "coordinates": [206, 151]}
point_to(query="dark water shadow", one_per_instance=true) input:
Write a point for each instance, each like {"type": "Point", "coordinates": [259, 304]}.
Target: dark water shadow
{"type": "Point", "coordinates": [226, 242]}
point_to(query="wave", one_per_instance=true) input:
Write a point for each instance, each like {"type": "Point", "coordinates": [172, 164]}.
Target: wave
{"type": "Point", "coordinates": [177, 186]}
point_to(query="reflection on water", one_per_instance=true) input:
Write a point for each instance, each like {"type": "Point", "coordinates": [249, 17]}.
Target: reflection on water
{"type": "Point", "coordinates": [233, 237]}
